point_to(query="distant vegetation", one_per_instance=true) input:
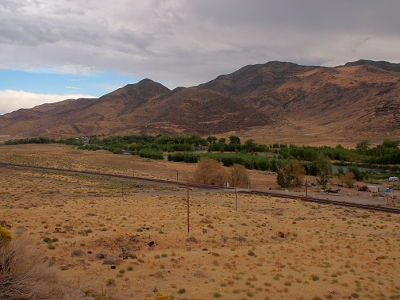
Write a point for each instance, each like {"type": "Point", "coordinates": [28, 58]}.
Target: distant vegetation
{"type": "Point", "coordinates": [180, 148]}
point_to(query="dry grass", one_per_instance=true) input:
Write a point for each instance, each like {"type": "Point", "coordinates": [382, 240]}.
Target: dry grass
{"type": "Point", "coordinates": [276, 248]}
{"type": "Point", "coordinates": [25, 274]}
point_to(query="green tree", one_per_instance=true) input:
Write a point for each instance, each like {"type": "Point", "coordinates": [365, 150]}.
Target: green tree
{"type": "Point", "coordinates": [363, 145]}
{"type": "Point", "coordinates": [212, 139]}
{"type": "Point", "coordinates": [387, 143]}
{"type": "Point", "coordinates": [233, 139]}
{"type": "Point", "coordinates": [283, 176]}
{"type": "Point", "coordinates": [356, 172]}
{"type": "Point", "coordinates": [222, 141]}
{"type": "Point", "coordinates": [324, 170]}
{"type": "Point", "coordinates": [250, 145]}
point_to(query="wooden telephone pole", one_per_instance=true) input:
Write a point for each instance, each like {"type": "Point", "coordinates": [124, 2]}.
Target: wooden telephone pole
{"type": "Point", "coordinates": [188, 203]}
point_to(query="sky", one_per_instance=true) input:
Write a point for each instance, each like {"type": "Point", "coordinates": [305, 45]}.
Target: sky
{"type": "Point", "coordinates": [52, 50]}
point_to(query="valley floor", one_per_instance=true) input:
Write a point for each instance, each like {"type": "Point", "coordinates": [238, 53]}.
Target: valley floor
{"type": "Point", "coordinates": [267, 249]}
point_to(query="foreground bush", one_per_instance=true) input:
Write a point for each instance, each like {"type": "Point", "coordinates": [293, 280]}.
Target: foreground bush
{"type": "Point", "coordinates": [25, 275]}
{"type": "Point", "coordinates": [5, 236]}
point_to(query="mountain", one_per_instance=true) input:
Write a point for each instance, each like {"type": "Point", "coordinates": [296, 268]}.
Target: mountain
{"type": "Point", "coordinates": [360, 98]}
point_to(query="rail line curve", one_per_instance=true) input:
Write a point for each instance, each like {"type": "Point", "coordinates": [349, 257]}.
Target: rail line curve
{"type": "Point", "coordinates": [203, 186]}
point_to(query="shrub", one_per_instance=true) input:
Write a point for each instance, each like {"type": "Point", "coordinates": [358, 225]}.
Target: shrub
{"type": "Point", "coordinates": [239, 176]}
{"type": "Point", "coordinates": [210, 172]}
{"type": "Point", "coordinates": [5, 236]}
{"type": "Point", "coordinates": [162, 297]}
{"type": "Point", "coordinates": [314, 277]}
{"type": "Point", "coordinates": [151, 153]}
{"type": "Point", "coordinates": [77, 252]}
{"type": "Point", "coordinates": [181, 291]}
{"type": "Point", "coordinates": [25, 274]}
{"type": "Point", "coordinates": [93, 295]}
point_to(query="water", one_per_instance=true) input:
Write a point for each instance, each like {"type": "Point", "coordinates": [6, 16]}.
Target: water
{"type": "Point", "coordinates": [362, 169]}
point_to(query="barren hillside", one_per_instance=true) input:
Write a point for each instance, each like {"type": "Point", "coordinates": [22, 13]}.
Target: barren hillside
{"type": "Point", "coordinates": [358, 99]}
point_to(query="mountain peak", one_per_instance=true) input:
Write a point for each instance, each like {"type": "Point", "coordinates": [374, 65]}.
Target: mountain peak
{"type": "Point", "coordinates": [145, 83]}
{"type": "Point", "coordinates": [385, 65]}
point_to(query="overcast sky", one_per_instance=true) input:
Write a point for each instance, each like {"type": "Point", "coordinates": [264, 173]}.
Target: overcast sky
{"type": "Point", "coordinates": [56, 49]}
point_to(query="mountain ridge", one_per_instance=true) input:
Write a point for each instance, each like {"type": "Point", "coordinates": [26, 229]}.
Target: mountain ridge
{"type": "Point", "coordinates": [358, 98]}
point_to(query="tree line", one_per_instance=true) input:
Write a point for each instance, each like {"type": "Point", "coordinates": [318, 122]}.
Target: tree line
{"type": "Point", "coordinates": [290, 162]}
{"type": "Point", "coordinates": [387, 153]}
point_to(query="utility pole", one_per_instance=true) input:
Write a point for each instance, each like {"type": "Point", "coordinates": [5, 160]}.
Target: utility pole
{"type": "Point", "coordinates": [177, 176]}
{"type": "Point", "coordinates": [306, 187]}
{"type": "Point", "coordinates": [236, 199]}
{"type": "Point", "coordinates": [188, 203]}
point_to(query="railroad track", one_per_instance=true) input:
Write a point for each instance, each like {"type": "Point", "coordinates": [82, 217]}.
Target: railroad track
{"type": "Point", "coordinates": [203, 186]}
{"type": "Point", "coordinates": [327, 201]}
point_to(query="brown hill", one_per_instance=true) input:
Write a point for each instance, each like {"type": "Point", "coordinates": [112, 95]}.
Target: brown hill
{"type": "Point", "coordinates": [360, 98]}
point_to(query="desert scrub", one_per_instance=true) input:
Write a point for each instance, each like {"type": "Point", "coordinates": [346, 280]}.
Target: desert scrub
{"type": "Point", "coordinates": [26, 274]}
{"type": "Point", "coordinates": [77, 252]}
{"type": "Point", "coordinates": [5, 236]}
{"type": "Point", "coordinates": [110, 281]}
{"type": "Point", "coordinates": [94, 295]}
{"type": "Point", "coordinates": [314, 277]}
{"type": "Point", "coordinates": [162, 297]}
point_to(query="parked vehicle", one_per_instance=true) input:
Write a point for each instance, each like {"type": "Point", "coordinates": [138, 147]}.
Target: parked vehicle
{"type": "Point", "coordinates": [363, 188]}
{"type": "Point", "coordinates": [393, 178]}
{"type": "Point", "coordinates": [330, 190]}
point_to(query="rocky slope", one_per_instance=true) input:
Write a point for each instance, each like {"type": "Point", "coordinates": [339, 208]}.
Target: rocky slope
{"type": "Point", "coordinates": [360, 98]}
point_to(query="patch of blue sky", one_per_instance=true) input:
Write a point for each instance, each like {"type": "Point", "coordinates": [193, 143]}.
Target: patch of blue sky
{"type": "Point", "coordinates": [94, 84]}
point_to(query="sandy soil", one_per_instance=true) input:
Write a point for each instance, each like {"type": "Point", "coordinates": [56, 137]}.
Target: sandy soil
{"type": "Point", "coordinates": [267, 249]}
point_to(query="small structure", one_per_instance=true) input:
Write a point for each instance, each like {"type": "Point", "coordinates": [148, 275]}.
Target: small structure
{"type": "Point", "coordinates": [374, 189]}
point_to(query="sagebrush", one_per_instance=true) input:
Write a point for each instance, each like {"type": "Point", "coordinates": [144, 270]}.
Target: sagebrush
{"type": "Point", "coordinates": [25, 275]}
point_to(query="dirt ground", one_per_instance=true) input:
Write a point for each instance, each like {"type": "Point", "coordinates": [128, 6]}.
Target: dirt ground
{"type": "Point", "coordinates": [97, 230]}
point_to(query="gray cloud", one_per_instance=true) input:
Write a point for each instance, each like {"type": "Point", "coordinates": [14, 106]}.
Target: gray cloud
{"type": "Point", "coordinates": [179, 42]}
